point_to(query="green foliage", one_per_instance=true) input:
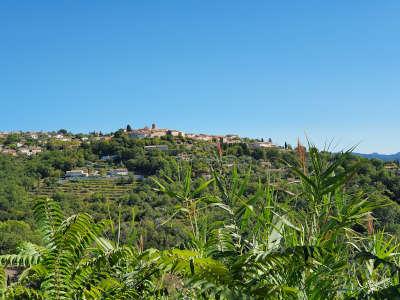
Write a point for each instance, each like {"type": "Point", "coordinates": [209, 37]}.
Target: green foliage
{"type": "Point", "coordinates": [75, 262]}
{"type": "Point", "coordinates": [242, 224]}
{"type": "Point", "coordinates": [13, 233]}
{"type": "Point", "coordinates": [264, 249]}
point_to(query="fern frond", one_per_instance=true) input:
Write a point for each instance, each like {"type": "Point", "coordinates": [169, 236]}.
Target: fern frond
{"type": "Point", "coordinates": [17, 260]}
{"type": "Point", "coordinates": [48, 217]}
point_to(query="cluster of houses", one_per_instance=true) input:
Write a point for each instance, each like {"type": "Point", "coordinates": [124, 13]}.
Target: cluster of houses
{"type": "Point", "coordinates": [26, 143]}
{"type": "Point", "coordinates": [154, 131]}
{"type": "Point", "coordinates": [31, 143]}
{"type": "Point", "coordinates": [228, 139]}
{"type": "Point", "coordinates": [29, 150]}
{"type": "Point", "coordinates": [21, 151]}
{"type": "Point", "coordinates": [22, 146]}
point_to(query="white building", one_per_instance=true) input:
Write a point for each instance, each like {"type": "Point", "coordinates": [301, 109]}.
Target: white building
{"type": "Point", "coordinates": [262, 145]}
{"type": "Point", "coordinates": [62, 138]}
{"type": "Point", "coordinates": [76, 174]}
{"type": "Point", "coordinates": [29, 151]}
{"type": "Point", "coordinates": [25, 151]}
{"type": "Point", "coordinates": [231, 139]}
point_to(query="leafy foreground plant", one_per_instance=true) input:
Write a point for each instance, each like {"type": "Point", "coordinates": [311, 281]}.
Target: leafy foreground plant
{"type": "Point", "coordinates": [242, 245]}
{"type": "Point", "coordinates": [260, 248]}
{"type": "Point", "coordinates": [75, 261]}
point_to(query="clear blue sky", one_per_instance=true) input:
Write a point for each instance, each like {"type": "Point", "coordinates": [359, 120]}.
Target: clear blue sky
{"type": "Point", "coordinates": [276, 69]}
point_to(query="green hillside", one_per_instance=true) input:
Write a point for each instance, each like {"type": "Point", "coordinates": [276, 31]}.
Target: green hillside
{"type": "Point", "coordinates": [111, 189]}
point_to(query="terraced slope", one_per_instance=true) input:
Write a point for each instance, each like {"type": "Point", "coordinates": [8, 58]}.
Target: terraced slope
{"type": "Point", "coordinates": [86, 188]}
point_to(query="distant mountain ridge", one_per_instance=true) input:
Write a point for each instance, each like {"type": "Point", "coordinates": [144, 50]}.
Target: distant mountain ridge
{"type": "Point", "coordinates": [385, 157]}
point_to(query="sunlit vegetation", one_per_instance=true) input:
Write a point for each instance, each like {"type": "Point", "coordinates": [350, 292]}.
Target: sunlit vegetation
{"type": "Point", "coordinates": [311, 230]}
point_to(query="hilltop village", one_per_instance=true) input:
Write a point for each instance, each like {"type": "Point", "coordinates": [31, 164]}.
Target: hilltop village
{"type": "Point", "coordinates": [32, 143]}
{"type": "Point", "coordinates": [153, 132]}
{"type": "Point", "coordinates": [111, 165]}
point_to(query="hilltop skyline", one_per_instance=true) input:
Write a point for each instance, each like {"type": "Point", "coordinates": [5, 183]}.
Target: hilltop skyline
{"type": "Point", "coordinates": [331, 145]}
{"type": "Point", "coordinates": [261, 70]}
